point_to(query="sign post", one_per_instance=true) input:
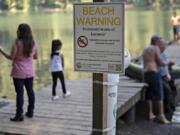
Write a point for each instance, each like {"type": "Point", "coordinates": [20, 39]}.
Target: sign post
{"type": "Point", "coordinates": [99, 48]}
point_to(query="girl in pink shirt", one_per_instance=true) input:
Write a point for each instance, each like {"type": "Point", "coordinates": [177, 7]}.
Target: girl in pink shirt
{"type": "Point", "coordinates": [22, 54]}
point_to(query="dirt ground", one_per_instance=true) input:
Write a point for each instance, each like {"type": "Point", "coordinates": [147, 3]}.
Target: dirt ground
{"type": "Point", "coordinates": [145, 127]}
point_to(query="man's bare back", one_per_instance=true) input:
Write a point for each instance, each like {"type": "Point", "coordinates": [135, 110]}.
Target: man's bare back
{"type": "Point", "coordinates": [150, 57]}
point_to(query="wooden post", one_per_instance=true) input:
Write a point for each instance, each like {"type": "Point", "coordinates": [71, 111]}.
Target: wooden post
{"type": "Point", "coordinates": [100, 101]}
{"type": "Point", "coordinates": [99, 106]}
{"type": "Point", "coordinates": [104, 103]}
{"type": "Point", "coordinates": [99, 97]}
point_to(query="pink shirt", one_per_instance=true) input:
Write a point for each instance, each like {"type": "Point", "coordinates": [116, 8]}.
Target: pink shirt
{"type": "Point", "coordinates": [22, 67]}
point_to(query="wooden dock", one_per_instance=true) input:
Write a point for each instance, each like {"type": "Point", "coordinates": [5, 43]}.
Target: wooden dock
{"type": "Point", "coordinates": [67, 116]}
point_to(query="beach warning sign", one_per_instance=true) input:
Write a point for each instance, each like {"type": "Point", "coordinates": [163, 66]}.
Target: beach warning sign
{"type": "Point", "coordinates": [99, 37]}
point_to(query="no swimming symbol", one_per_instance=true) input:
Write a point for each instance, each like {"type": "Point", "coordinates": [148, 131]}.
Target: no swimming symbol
{"type": "Point", "coordinates": [82, 41]}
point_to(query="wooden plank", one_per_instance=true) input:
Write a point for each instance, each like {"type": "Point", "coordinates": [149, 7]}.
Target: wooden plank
{"type": "Point", "coordinates": [69, 116]}
{"type": "Point", "coordinates": [122, 77]}
{"type": "Point", "coordinates": [128, 90]}
{"type": "Point", "coordinates": [122, 108]}
{"type": "Point", "coordinates": [140, 85]}
{"type": "Point", "coordinates": [40, 123]}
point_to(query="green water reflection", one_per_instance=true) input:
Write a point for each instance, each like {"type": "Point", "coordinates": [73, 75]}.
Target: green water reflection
{"type": "Point", "coordinates": [140, 25]}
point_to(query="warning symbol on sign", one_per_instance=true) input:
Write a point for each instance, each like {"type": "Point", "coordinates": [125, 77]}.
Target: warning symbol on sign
{"type": "Point", "coordinates": [82, 41]}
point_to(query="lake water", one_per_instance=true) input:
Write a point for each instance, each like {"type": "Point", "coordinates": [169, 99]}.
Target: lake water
{"type": "Point", "coordinates": [139, 26]}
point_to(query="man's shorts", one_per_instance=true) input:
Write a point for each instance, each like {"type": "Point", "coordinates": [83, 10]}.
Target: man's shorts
{"type": "Point", "coordinates": [155, 89]}
{"type": "Point", "coordinates": [176, 29]}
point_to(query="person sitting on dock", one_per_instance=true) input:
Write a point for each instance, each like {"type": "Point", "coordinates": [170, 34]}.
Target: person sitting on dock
{"type": "Point", "coordinates": [152, 63]}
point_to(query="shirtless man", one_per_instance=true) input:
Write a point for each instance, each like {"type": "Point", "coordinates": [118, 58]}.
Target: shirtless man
{"type": "Point", "coordinates": [152, 63]}
{"type": "Point", "coordinates": [175, 23]}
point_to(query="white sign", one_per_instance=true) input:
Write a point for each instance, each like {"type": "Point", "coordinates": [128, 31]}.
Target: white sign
{"type": "Point", "coordinates": [99, 37]}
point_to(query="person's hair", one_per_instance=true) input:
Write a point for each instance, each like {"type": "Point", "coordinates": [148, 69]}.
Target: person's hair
{"type": "Point", "coordinates": [24, 33]}
{"type": "Point", "coordinates": [155, 39]}
{"type": "Point", "coordinates": [56, 44]}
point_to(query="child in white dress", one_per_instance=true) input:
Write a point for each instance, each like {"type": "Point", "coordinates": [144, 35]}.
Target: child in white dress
{"type": "Point", "coordinates": [57, 66]}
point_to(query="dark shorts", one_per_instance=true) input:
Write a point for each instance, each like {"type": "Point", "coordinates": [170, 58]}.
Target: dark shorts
{"type": "Point", "coordinates": [155, 86]}
{"type": "Point", "coordinates": [176, 29]}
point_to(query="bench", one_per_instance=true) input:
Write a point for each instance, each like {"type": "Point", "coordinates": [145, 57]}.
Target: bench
{"type": "Point", "coordinates": [129, 93]}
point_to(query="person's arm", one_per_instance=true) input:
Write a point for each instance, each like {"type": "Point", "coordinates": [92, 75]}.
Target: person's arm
{"type": "Point", "coordinates": [178, 20]}
{"type": "Point", "coordinates": [159, 61]}
{"type": "Point", "coordinates": [35, 54]}
{"type": "Point", "coordinates": [168, 75]}
{"type": "Point", "coordinates": [62, 59]}
{"type": "Point", "coordinates": [12, 54]}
